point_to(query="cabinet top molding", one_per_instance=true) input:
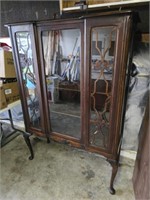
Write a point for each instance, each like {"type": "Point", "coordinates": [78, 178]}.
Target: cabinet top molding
{"type": "Point", "coordinates": [80, 17]}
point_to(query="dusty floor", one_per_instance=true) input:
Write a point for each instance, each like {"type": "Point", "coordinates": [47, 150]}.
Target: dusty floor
{"type": "Point", "coordinates": [59, 172]}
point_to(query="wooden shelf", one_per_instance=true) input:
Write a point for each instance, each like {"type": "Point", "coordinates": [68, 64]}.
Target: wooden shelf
{"type": "Point", "coordinates": [66, 5]}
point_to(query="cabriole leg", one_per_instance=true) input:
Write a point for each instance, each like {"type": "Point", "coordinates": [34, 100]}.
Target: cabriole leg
{"type": "Point", "coordinates": [48, 140]}
{"type": "Point", "coordinates": [114, 165]}
{"type": "Point", "coordinates": [27, 140]}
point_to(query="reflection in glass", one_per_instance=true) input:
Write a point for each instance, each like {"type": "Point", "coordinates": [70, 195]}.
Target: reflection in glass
{"type": "Point", "coordinates": [61, 50]}
{"type": "Point", "coordinates": [102, 62]}
{"type": "Point", "coordinates": [27, 68]}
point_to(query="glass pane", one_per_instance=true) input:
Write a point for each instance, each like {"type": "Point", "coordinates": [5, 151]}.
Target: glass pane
{"type": "Point", "coordinates": [62, 67]}
{"type": "Point", "coordinates": [102, 62]}
{"type": "Point", "coordinates": [27, 68]}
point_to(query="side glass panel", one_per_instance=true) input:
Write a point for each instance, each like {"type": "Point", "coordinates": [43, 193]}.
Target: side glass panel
{"type": "Point", "coordinates": [62, 67]}
{"type": "Point", "coordinates": [102, 64]}
{"type": "Point", "coordinates": [29, 80]}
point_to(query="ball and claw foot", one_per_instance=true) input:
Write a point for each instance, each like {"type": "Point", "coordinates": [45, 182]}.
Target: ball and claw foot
{"type": "Point", "coordinates": [112, 190]}
{"type": "Point", "coordinates": [31, 157]}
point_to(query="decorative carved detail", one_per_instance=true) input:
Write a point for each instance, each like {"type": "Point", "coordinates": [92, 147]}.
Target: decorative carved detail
{"type": "Point", "coordinates": [27, 69]}
{"type": "Point", "coordinates": [101, 119]}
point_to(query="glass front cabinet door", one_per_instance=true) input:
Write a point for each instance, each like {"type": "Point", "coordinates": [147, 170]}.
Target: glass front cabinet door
{"type": "Point", "coordinates": [73, 78]}
{"type": "Point", "coordinates": [61, 51]}
{"type": "Point", "coordinates": [28, 75]}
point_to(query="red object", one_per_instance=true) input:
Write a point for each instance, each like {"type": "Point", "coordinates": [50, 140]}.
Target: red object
{"type": "Point", "coordinates": [2, 44]}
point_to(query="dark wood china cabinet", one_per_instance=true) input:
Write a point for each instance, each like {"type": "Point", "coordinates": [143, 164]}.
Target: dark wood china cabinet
{"type": "Point", "coordinates": [73, 76]}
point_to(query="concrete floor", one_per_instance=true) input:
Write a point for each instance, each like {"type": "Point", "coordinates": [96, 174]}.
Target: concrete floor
{"type": "Point", "coordinates": [59, 172]}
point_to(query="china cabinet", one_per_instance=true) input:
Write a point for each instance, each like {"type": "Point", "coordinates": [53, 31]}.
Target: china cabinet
{"type": "Point", "coordinates": [73, 77]}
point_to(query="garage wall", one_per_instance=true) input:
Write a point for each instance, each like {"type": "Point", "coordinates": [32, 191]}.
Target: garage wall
{"type": "Point", "coordinates": [16, 11]}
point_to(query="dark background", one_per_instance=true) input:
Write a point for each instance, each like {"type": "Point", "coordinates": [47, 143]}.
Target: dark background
{"type": "Point", "coordinates": [17, 11]}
